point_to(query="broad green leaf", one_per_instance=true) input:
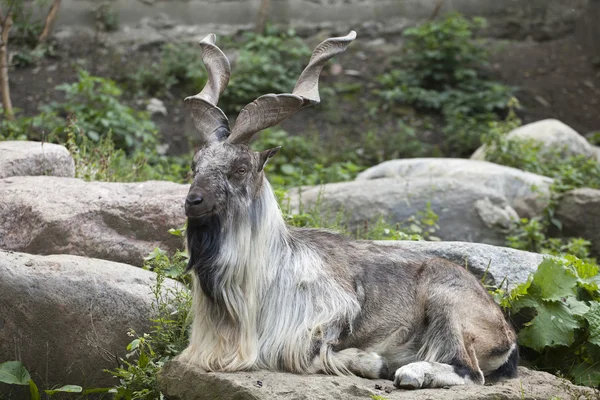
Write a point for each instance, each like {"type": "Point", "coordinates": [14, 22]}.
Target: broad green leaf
{"type": "Point", "coordinates": [554, 325]}
{"type": "Point", "coordinates": [554, 281]}
{"type": "Point", "coordinates": [14, 373]}
{"type": "Point", "coordinates": [577, 307]}
{"type": "Point", "coordinates": [34, 392]}
{"type": "Point", "coordinates": [593, 319]}
{"type": "Point", "coordinates": [65, 389]}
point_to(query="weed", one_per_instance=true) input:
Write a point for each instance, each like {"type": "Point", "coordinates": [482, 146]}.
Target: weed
{"type": "Point", "coordinates": [148, 352]}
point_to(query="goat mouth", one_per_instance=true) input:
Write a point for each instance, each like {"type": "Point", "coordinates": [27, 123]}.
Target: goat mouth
{"type": "Point", "coordinates": [200, 216]}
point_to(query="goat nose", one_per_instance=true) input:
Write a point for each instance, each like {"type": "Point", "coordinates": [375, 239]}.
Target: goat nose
{"type": "Point", "coordinates": [194, 199]}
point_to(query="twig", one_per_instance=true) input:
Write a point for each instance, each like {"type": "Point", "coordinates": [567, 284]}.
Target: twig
{"type": "Point", "coordinates": [436, 10]}
{"type": "Point", "coordinates": [4, 87]}
{"type": "Point", "coordinates": [49, 21]}
{"type": "Point", "coordinates": [263, 13]}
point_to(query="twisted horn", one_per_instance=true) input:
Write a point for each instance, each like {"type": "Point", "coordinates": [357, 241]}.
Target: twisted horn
{"type": "Point", "coordinates": [271, 109]}
{"type": "Point", "coordinates": [209, 119]}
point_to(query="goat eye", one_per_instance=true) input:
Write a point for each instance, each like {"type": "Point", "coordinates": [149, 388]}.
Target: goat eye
{"type": "Point", "coordinates": [241, 171]}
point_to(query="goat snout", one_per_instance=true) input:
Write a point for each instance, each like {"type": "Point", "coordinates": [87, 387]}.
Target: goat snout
{"type": "Point", "coordinates": [198, 204]}
{"type": "Point", "coordinates": [193, 199]}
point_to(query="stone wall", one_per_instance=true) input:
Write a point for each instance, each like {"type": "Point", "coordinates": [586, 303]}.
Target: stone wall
{"type": "Point", "coordinates": [509, 18]}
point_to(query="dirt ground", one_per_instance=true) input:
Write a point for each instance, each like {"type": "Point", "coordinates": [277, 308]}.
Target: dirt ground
{"type": "Point", "coordinates": [556, 79]}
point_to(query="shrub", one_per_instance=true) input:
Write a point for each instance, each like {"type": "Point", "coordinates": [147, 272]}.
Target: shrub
{"type": "Point", "coordinates": [95, 103]}
{"type": "Point", "coordinates": [440, 72]}
{"type": "Point", "coordinates": [179, 64]}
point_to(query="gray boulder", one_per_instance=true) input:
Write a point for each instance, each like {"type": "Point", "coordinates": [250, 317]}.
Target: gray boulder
{"type": "Point", "coordinates": [527, 193]}
{"type": "Point", "coordinates": [500, 266]}
{"type": "Point", "coordinates": [579, 212]}
{"type": "Point", "coordinates": [112, 221]}
{"type": "Point", "coordinates": [180, 381]}
{"type": "Point", "coordinates": [553, 134]}
{"type": "Point", "coordinates": [18, 158]}
{"type": "Point", "coordinates": [66, 317]}
{"type": "Point", "coordinates": [467, 211]}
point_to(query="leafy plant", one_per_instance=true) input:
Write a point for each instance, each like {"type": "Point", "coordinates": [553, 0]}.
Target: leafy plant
{"type": "Point", "coordinates": [95, 103]}
{"type": "Point", "coordinates": [440, 72]}
{"type": "Point", "coordinates": [148, 352]}
{"type": "Point", "coordinates": [558, 311]}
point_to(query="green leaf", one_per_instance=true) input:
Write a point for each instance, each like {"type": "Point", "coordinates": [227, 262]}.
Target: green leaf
{"type": "Point", "coordinates": [34, 393]}
{"type": "Point", "coordinates": [133, 345]}
{"type": "Point", "coordinates": [14, 373]}
{"type": "Point", "coordinates": [554, 281]}
{"type": "Point", "coordinates": [65, 389]}
{"type": "Point", "coordinates": [593, 319]}
{"type": "Point", "coordinates": [554, 325]}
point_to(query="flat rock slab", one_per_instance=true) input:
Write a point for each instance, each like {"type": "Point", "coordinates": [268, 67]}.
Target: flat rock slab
{"type": "Point", "coordinates": [527, 193]}
{"type": "Point", "coordinates": [24, 158]}
{"type": "Point", "coordinates": [181, 382]}
{"type": "Point", "coordinates": [500, 266]}
{"type": "Point", "coordinates": [120, 222]}
{"type": "Point", "coordinates": [66, 317]}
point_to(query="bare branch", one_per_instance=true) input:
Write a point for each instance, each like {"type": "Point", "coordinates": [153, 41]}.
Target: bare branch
{"type": "Point", "coordinates": [263, 13]}
{"type": "Point", "coordinates": [436, 9]}
{"type": "Point", "coordinates": [49, 21]}
{"type": "Point", "coordinates": [4, 87]}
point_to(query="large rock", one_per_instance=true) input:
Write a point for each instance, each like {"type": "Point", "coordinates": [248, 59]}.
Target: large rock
{"type": "Point", "coordinates": [500, 266]}
{"type": "Point", "coordinates": [527, 193]}
{"type": "Point", "coordinates": [113, 221]}
{"type": "Point", "coordinates": [66, 317]}
{"type": "Point", "coordinates": [579, 212]}
{"type": "Point", "coordinates": [467, 211]}
{"type": "Point", "coordinates": [19, 158]}
{"type": "Point", "coordinates": [183, 382]}
{"type": "Point", "coordinates": [553, 135]}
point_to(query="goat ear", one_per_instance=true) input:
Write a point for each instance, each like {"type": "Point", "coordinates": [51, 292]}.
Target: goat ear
{"type": "Point", "coordinates": [266, 154]}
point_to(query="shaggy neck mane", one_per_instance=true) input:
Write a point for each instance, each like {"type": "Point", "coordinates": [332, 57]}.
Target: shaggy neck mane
{"type": "Point", "coordinates": [223, 248]}
{"type": "Point", "coordinates": [255, 293]}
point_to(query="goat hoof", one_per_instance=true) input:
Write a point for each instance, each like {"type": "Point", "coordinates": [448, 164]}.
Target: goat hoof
{"type": "Point", "coordinates": [407, 378]}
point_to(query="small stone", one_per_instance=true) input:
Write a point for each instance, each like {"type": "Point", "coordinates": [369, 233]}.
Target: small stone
{"type": "Point", "coordinates": [156, 106]}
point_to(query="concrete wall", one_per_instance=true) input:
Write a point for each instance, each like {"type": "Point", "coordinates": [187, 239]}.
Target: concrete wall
{"type": "Point", "coordinates": [507, 17]}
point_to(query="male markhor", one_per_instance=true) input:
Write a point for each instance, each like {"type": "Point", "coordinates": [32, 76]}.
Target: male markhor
{"type": "Point", "coordinates": [269, 296]}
